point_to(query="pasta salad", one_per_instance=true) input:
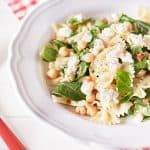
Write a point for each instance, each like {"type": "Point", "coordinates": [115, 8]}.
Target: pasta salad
{"type": "Point", "coordinates": [101, 67]}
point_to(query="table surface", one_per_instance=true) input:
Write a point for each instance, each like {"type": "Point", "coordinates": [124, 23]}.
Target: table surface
{"type": "Point", "coordinates": [34, 133]}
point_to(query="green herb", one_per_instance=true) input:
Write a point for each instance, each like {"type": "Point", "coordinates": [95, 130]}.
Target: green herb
{"type": "Point", "coordinates": [139, 26]}
{"type": "Point", "coordinates": [75, 22]}
{"type": "Point", "coordinates": [142, 65]}
{"type": "Point", "coordinates": [146, 118]}
{"type": "Point", "coordinates": [58, 43]}
{"type": "Point", "coordinates": [94, 33]}
{"type": "Point", "coordinates": [145, 110]}
{"type": "Point", "coordinates": [135, 50]}
{"type": "Point", "coordinates": [123, 82]}
{"type": "Point", "coordinates": [49, 54]}
{"type": "Point", "coordinates": [70, 90]}
{"type": "Point", "coordinates": [75, 47]}
{"type": "Point", "coordinates": [147, 93]}
{"type": "Point", "coordinates": [101, 24]}
{"type": "Point", "coordinates": [83, 68]}
{"type": "Point", "coordinates": [73, 33]}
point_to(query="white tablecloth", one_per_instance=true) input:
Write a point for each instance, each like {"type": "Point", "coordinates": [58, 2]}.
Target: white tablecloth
{"type": "Point", "coordinates": [35, 134]}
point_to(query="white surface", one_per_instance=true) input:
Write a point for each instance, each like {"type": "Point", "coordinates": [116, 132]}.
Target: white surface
{"type": "Point", "coordinates": [36, 135]}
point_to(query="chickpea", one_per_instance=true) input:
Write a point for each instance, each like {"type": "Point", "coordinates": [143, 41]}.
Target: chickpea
{"type": "Point", "coordinates": [89, 57]}
{"type": "Point", "coordinates": [91, 110]}
{"type": "Point", "coordinates": [53, 73]}
{"type": "Point", "coordinates": [80, 110]}
{"type": "Point", "coordinates": [130, 26]}
{"type": "Point", "coordinates": [63, 51]}
{"type": "Point", "coordinates": [82, 44]}
{"type": "Point", "coordinates": [90, 98]}
{"type": "Point", "coordinates": [146, 101]}
{"type": "Point", "coordinates": [141, 73]}
{"type": "Point", "coordinates": [89, 25]}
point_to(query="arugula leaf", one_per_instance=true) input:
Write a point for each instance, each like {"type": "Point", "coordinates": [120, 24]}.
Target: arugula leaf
{"type": "Point", "coordinates": [83, 68]}
{"type": "Point", "coordinates": [123, 81]}
{"type": "Point", "coordinates": [48, 54]}
{"type": "Point", "coordinates": [142, 65]}
{"type": "Point", "coordinates": [147, 93]}
{"type": "Point", "coordinates": [139, 26]}
{"type": "Point", "coordinates": [70, 90]}
{"type": "Point", "coordinates": [101, 24]}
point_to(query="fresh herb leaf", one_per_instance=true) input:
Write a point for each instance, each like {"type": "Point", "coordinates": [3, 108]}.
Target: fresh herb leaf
{"type": "Point", "coordinates": [70, 90]}
{"type": "Point", "coordinates": [58, 43]}
{"type": "Point", "coordinates": [75, 47]}
{"type": "Point", "coordinates": [145, 110]}
{"type": "Point", "coordinates": [123, 81]}
{"type": "Point", "coordinates": [142, 65]}
{"type": "Point", "coordinates": [127, 97]}
{"type": "Point", "coordinates": [139, 26]}
{"type": "Point", "coordinates": [147, 93]}
{"type": "Point", "coordinates": [101, 24]}
{"type": "Point", "coordinates": [49, 54]}
{"type": "Point", "coordinates": [75, 22]}
{"type": "Point", "coordinates": [83, 68]}
{"type": "Point", "coordinates": [94, 33]}
{"type": "Point", "coordinates": [135, 50]}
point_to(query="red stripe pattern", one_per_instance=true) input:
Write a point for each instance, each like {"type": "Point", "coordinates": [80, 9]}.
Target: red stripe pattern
{"type": "Point", "coordinates": [20, 7]}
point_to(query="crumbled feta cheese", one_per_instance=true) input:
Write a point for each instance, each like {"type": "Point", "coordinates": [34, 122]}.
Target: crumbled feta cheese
{"type": "Point", "coordinates": [115, 17]}
{"type": "Point", "coordinates": [78, 17]}
{"type": "Point", "coordinates": [64, 32]}
{"type": "Point", "coordinates": [107, 95]}
{"type": "Point", "coordinates": [135, 40]}
{"type": "Point", "coordinates": [107, 33]}
{"type": "Point", "coordinates": [97, 46]}
{"type": "Point", "coordinates": [87, 36]}
{"type": "Point", "coordinates": [127, 57]}
{"type": "Point", "coordinates": [120, 28]}
{"type": "Point", "coordinates": [72, 67]}
{"type": "Point", "coordinates": [113, 65]}
{"type": "Point", "coordinates": [87, 87]}
{"type": "Point", "coordinates": [147, 41]}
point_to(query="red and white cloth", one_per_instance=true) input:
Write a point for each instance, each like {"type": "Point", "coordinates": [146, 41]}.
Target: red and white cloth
{"type": "Point", "coordinates": [20, 7]}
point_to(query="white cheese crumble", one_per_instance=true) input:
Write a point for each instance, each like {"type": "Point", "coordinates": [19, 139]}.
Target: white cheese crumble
{"type": "Point", "coordinates": [87, 87]}
{"type": "Point", "coordinates": [107, 33]}
{"type": "Point", "coordinates": [78, 17]}
{"type": "Point", "coordinates": [87, 36]}
{"type": "Point", "coordinates": [97, 46]}
{"type": "Point", "coordinates": [135, 40]}
{"type": "Point", "coordinates": [127, 57]}
{"type": "Point", "coordinates": [147, 41]}
{"type": "Point", "coordinates": [64, 32]}
{"type": "Point", "coordinates": [72, 67]}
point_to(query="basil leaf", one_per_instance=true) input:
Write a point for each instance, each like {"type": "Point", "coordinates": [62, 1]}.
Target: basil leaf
{"type": "Point", "coordinates": [49, 54]}
{"type": "Point", "coordinates": [83, 68]}
{"type": "Point", "coordinates": [139, 26]}
{"type": "Point", "coordinates": [70, 90]}
{"type": "Point", "coordinates": [142, 65]}
{"type": "Point", "coordinates": [123, 81]}
{"type": "Point", "coordinates": [147, 93]}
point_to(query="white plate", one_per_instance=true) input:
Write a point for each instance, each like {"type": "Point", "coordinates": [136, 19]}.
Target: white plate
{"type": "Point", "coordinates": [25, 69]}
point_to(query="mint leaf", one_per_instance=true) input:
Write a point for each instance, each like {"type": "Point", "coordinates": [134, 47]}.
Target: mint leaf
{"type": "Point", "coordinates": [83, 68]}
{"type": "Point", "coordinates": [70, 90]}
{"type": "Point", "coordinates": [49, 54]}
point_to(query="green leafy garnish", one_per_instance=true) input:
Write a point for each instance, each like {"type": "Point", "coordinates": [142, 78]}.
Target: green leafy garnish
{"type": "Point", "coordinates": [142, 65]}
{"type": "Point", "coordinates": [147, 93]}
{"type": "Point", "coordinates": [140, 27]}
{"type": "Point", "coordinates": [75, 47]}
{"type": "Point", "coordinates": [83, 68]}
{"type": "Point", "coordinates": [69, 90]}
{"type": "Point", "coordinates": [49, 54]}
{"type": "Point", "coordinates": [124, 82]}
{"type": "Point", "coordinates": [135, 50]}
{"type": "Point", "coordinates": [58, 44]}
{"type": "Point", "coordinates": [101, 24]}
{"type": "Point", "coordinates": [145, 110]}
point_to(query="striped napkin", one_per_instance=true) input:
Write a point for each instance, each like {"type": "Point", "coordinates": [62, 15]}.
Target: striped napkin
{"type": "Point", "coordinates": [20, 8]}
